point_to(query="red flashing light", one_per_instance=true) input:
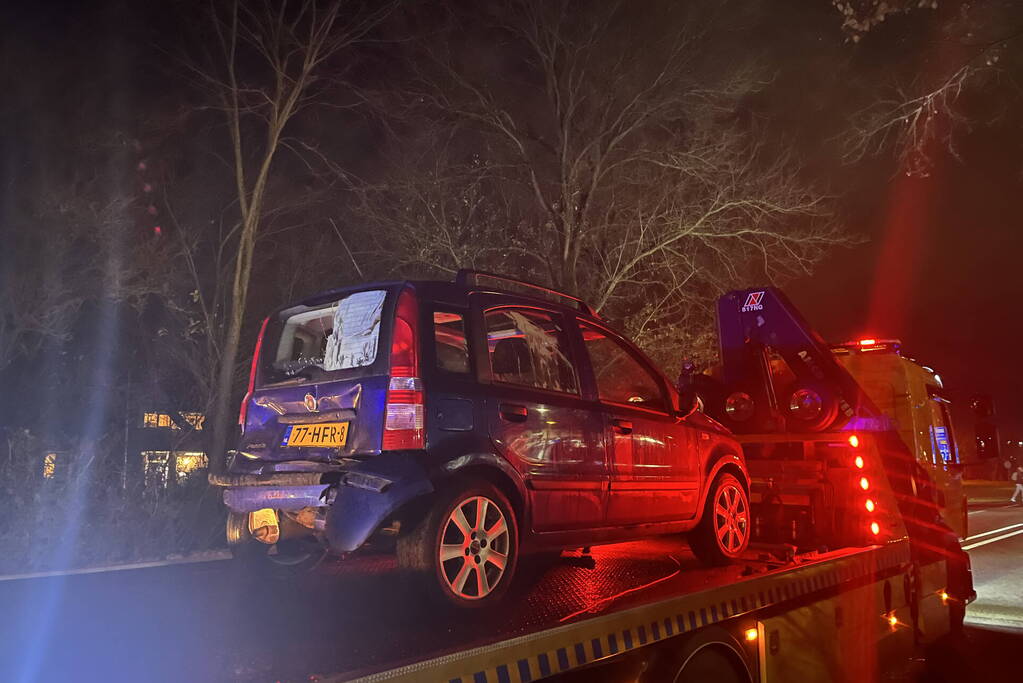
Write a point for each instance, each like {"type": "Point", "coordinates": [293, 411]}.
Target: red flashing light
{"type": "Point", "coordinates": [867, 342]}
{"type": "Point", "coordinates": [244, 411]}
{"type": "Point", "coordinates": [403, 415]}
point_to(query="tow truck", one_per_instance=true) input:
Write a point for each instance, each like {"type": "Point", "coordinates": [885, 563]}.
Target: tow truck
{"type": "Point", "coordinates": [853, 570]}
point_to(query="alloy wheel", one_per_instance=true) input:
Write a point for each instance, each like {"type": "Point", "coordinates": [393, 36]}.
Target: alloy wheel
{"type": "Point", "coordinates": [731, 518]}
{"type": "Point", "coordinates": [474, 547]}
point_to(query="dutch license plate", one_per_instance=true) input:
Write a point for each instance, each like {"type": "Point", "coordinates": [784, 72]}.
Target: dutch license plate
{"type": "Point", "coordinates": [324, 434]}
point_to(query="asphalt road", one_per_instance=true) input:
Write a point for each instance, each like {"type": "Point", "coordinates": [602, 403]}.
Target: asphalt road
{"type": "Point", "coordinates": [992, 650]}
{"type": "Point", "coordinates": [212, 622]}
{"type": "Point", "coordinates": [995, 545]}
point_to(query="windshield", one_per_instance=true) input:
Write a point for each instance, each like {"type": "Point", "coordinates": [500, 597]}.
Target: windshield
{"type": "Point", "coordinates": [337, 335]}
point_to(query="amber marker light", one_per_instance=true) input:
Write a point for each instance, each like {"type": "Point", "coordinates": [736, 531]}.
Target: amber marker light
{"type": "Point", "coordinates": [944, 596]}
{"type": "Point", "coordinates": [869, 505]}
{"type": "Point", "coordinates": [751, 635]}
{"type": "Point", "coordinates": [854, 441]}
{"type": "Point", "coordinates": [893, 620]}
{"type": "Point", "coordinates": [864, 483]}
{"type": "Point", "coordinates": [875, 528]}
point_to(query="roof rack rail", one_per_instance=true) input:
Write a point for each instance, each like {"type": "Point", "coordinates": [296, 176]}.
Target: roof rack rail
{"type": "Point", "coordinates": [467, 276]}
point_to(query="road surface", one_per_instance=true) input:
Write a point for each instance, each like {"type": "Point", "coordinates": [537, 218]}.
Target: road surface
{"type": "Point", "coordinates": [995, 545]}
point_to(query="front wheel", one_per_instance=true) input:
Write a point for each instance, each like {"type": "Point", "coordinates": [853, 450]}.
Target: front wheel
{"type": "Point", "coordinates": [724, 530]}
{"type": "Point", "coordinates": [466, 548]}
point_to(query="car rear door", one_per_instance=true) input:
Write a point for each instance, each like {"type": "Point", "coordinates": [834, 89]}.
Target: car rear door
{"type": "Point", "coordinates": [653, 453]}
{"type": "Point", "coordinates": [538, 419]}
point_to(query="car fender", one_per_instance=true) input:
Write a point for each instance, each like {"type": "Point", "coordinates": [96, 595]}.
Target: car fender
{"type": "Point", "coordinates": [721, 455]}
{"type": "Point", "coordinates": [492, 461]}
{"type": "Point", "coordinates": [368, 493]}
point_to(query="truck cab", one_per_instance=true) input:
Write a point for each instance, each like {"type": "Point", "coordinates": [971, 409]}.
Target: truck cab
{"type": "Point", "coordinates": [912, 395]}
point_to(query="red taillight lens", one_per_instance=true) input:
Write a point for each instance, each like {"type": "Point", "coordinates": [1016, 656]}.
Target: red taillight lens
{"type": "Point", "coordinates": [243, 412]}
{"type": "Point", "coordinates": [403, 414]}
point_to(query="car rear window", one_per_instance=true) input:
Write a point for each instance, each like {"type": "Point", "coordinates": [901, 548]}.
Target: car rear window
{"type": "Point", "coordinates": [337, 335]}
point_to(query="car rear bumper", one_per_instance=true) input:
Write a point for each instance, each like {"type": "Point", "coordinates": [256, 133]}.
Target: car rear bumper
{"type": "Point", "coordinates": [358, 498]}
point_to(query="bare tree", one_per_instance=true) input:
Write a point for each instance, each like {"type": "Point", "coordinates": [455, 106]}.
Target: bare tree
{"type": "Point", "coordinates": [616, 165]}
{"type": "Point", "coordinates": [273, 63]}
{"type": "Point", "coordinates": [975, 51]}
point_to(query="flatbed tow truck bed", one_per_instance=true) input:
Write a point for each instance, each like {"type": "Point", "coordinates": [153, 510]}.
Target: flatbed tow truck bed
{"type": "Point", "coordinates": [588, 608]}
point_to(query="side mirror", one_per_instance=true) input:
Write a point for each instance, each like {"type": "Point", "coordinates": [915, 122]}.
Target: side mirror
{"type": "Point", "coordinates": [688, 400]}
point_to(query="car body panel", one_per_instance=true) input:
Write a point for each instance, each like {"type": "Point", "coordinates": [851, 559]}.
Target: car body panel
{"type": "Point", "coordinates": [574, 477]}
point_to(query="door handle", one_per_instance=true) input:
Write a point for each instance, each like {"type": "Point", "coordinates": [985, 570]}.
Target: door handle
{"type": "Point", "coordinates": [513, 413]}
{"type": "Point", "coordinates": [622, 426]}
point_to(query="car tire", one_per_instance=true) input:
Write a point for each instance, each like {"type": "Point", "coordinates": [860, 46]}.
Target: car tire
{"type": "Point", "coordinates": [723, 532]}
{"type": "Point", "coordinates": [463, 562]}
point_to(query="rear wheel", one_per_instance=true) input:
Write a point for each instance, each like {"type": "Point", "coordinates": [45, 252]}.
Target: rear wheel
{"type": "Point", "coordinates": [724, 530]}
{"type": "Point", "coordinates": [466, 548]}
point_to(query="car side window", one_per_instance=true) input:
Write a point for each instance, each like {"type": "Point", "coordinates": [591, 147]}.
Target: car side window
{"type": "Point", "coordinates": [450, 343]}
{"type": "Point", "coordinates": [528, 347]}
{"type": "Point", "coordinates": [621, 377]}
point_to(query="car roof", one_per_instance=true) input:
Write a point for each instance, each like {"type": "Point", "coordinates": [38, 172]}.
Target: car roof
{"type": "Point", "coordinates": [452, 293]}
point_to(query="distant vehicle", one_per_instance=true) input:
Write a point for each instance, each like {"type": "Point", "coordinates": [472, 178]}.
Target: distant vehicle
{"type": "Point", "coordinates": [472, 421]}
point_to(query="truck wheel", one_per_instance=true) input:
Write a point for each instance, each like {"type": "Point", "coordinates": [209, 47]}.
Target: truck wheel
{"type": "Point", "coordinates": [466, 548]}
{"type": "Point", "coordinates": [704, 665]}
{"type": "Point", "coordinates": [724, 529]}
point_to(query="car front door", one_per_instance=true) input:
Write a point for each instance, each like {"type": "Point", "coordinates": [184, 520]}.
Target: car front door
{"type": "Point", "coordinates": [538, 419]}
{"type": "Point", "coordinates": [653, 453]}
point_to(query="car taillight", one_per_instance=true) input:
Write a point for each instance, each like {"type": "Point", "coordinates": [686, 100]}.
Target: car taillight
{"type": "Point", "coordinates": [243, 412]}
{"type": "Point", "coordinates": [403, 414]}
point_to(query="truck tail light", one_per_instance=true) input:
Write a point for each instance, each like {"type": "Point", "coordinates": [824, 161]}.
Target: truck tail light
{"type": "Point", "coordinates": [243, 412]}
{"type": "Point", "coordinates": [875, 528]}
{"type": "Point", "coordinates": [864, 483]}
{"type": "Point", "coordinates": [858, 462]}
{"type": "Point", "coordinates": [854, 441]}
{"type": "Point", "coordinates": [403, 414]}
{"type": "Point", "coordinates": [869, 504]}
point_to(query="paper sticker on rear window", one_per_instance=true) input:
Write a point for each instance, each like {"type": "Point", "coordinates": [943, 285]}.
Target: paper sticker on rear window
{"type": "Point", "coordinates": [340, 335]}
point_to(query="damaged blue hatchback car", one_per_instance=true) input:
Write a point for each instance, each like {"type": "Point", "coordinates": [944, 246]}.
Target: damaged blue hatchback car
{"type": "Point", "coordinates": [463, 424]}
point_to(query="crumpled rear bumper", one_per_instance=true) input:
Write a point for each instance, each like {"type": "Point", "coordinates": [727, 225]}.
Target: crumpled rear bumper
{"type": "Point", "coordinates": [360, 497]}
{"type": "Point", "coordinates": [281, 491]}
